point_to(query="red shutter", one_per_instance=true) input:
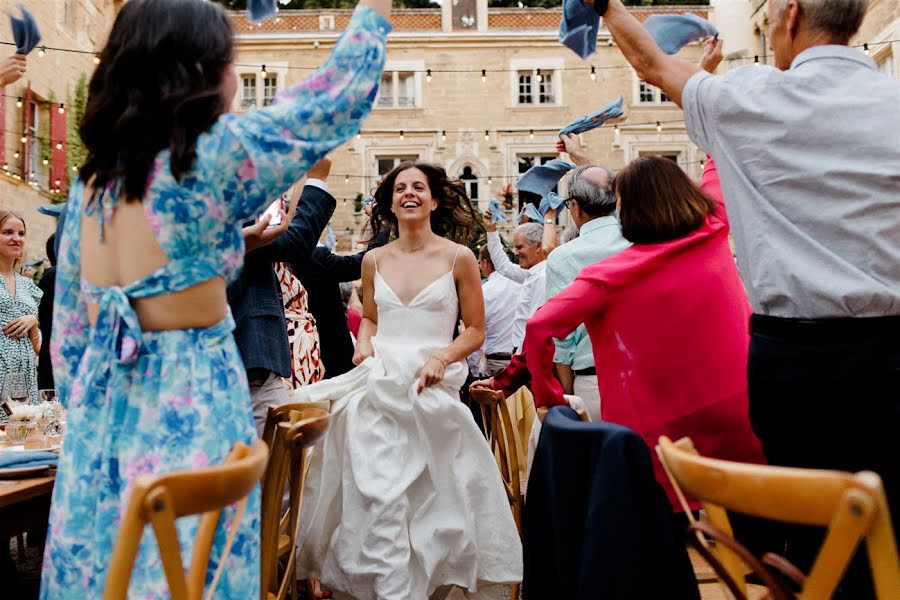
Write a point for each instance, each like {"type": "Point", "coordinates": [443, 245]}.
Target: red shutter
{"type": "Point", "coordinates": [2, 129]}
{"type": "Point", "coordinates": [57, 156]}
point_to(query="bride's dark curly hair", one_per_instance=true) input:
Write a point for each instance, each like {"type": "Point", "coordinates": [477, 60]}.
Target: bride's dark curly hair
{"type": "Point", "coordinates": [454, 218]}
{"type": "Point", "coordinates": [158, 86]}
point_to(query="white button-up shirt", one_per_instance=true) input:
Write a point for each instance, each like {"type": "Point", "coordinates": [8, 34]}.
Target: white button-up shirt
{"type": "Point", "coordinates": [534, 285]}
{"type": "Point", "coordinates": [809, 160]}
{"type": "Point", "coordinates": [501, 298]}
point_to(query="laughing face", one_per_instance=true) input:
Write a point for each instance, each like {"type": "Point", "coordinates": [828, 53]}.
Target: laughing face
{"type": "Point", "coordinates": [411, 199]}
{"type": "Point", "coordinates": [12, 238]}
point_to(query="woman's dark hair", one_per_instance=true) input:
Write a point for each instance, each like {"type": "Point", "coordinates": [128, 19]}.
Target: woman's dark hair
{"type": "Point", "coordinates": [454, 218]}
{"type": "Point", "coordinates": [157, 87]}
{"type": "Point", "coordinates": [50, 247]}
{"type": "Point", "coordinates": [658, 202]}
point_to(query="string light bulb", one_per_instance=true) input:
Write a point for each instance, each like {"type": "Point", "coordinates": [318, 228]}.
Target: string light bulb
{"type": "Point", "coordinates": [490, 180]}
{"type": "Point", "coordinates": [428, 75]}
{"type": "Point", "coordinates": [62, 109]}
{"type": "Point", "coordinates": [487, 135]}
{"type": "Point", "coordinates": [359, 135]}
{"type": "Point", "coordinates": [531, 134]}
{"type": "Point", "coordinates": [483, 75]}
{"type": "Point", "coordinates": [46, 162]}
{"type": "Point", "coordinates": [16, 155]}
{"type": "Point", "coordinates": [866, 49]}
{"type": "Point", "coordinates": [539, 77]}
{"type": "Point", "coordinates": [756, 60]}
{"type": "Point", "coordinates": [5, 166]}
{"type": "Point", "coordinates": [401, 135]}
{"type": "Point", "coordinates": [593, 73]}
{"type": "Point", "coordinates": [443, 136]}
{"type": "Point", "coordinates": [42, 51]}
{"type": "Point", "coordinates": [74, 169]}
{"type": "Point", "coordinates": [96, 59]}
{"type": "Point", "coordinates": [346, 179]}
{"type": "Point", "coordinates": [59, 145]}
{"type": "Point", "coordinates": [658, 126]}
{"type": "Point", "coordinates": [24, 139]}
{"type": "Point", "coordinates": [263, 72]}
{"type": "Point", "coordinates": [18, 103]}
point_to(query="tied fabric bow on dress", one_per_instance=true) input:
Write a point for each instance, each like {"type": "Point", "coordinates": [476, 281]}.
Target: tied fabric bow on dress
{"type": "Point", "coordinates": [540, 179]}
{"type": "Point", "coordinates": [261, 9]}
{"type": "Point", "coordinates": [578, 28]}
{"type": "Point", "coordinates": [496, 211]}
{"type": "Point", "coordinates": [611, 111]}
{"type": "Point", "coordinates": [673, 32]}
{"type": "Point", "coordinates": [25, 31]}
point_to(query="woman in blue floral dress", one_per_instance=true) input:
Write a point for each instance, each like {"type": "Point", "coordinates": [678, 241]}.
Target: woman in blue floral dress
{"type": "Point", "coordinates": [142, 348]}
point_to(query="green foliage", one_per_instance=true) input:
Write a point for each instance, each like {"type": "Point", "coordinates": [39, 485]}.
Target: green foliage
{"type": "Point", "coordinates": [76, 154]}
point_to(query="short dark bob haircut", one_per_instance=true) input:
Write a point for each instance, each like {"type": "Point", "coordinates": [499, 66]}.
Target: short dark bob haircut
{"type": "Point", "coordinates": [157, 87]}
{"type": "Point", "coordinates": [454, 218]}
{"type": "Point", "coordinates": [658, 202]}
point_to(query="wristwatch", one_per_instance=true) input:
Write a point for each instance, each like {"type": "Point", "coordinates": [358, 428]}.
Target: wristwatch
{"type": "Point", "coordinates": [549, 222]}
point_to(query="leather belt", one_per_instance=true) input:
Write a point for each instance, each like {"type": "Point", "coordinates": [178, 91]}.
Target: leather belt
{"type": "Point", "coordinates": [498, 356]}
{"type": "Point", "coordinates": [583, 372]}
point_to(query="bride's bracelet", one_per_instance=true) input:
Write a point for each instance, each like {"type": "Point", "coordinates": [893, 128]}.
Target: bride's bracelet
{"type": "Point", "coordinates": [443, 362]}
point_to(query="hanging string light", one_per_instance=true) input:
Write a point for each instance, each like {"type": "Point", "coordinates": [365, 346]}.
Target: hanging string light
{"type": "Point", "coordinates": [483, 75]}
{"type": "Point", "coordinates": [96, 59]}
{"type": "Point", "coordinates": [866, 49]}
{"type": "Point", "coordinates": [263, 72]}
{"type": "Point", "coordinates": [428, 75]}
{"type": "Point", "coordinates": [658, 126]}
{"type": "Point", "coordinates": [46, 162]}
{"type": "Point", "coordinates": [490, 180]}
{"type": "Point", "coordinates": [346, 179]}
{"type": "Point", "coordinates": [19, 103]}
{"type": "Point", "coordinates": [539, 77]}
{"type": "Point", "coordinates": [59, 145]}
{"type": "Point", "coordinates": [401, 135]}
{"type": "Point", "coordinates": [443, 136]}
{"type": "Point", "coordinates": [593, 73]}
{"type": "Point", "coordinates": [359, 135]}
{"type": "Point", "coordinates": [756, 60]}
{"type": "Point", "coordinates": [62, 109]}
{"type": "Point", "coordinates": [487, 135]}
{"type": "Point", "coordinates": [531, 134]}
{"type": "Point", "coordinates": [42, 51]}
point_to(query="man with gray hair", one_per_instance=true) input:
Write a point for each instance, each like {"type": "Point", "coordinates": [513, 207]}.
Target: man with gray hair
{"type": "Point", "coordinates": [530, 272]}
{"type": "Point", "coordinates": [808, 155]}
{"type": "Point", "coordinates": [592, 205]}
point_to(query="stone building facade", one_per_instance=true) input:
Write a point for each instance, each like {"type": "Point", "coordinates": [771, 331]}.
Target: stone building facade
{"type": "Point", "coordinates": [482, 92]}
{"type": "Point", "coordinates": [32, 171]}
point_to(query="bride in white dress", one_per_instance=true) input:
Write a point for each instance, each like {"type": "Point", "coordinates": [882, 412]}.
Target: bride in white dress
{"type": "Point", "coordinates": [403, 499]}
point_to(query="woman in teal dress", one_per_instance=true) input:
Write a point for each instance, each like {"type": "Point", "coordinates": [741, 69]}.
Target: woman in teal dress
{"type": "Point", "coordinates": [152, 383]}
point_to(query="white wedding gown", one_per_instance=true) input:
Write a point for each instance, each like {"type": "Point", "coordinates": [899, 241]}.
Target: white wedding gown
{"type": "Point", "coordinates": [403, 497]}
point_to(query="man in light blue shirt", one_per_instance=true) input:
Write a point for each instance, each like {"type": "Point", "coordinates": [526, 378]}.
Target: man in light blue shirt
{"type": "Point", "coordinates": [593, 205]}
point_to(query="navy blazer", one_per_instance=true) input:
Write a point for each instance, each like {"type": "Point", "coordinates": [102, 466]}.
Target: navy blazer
{"type": "Point", "coordinates": [255, 297]}
{"type": "Point", "coordinates": [322, 275]}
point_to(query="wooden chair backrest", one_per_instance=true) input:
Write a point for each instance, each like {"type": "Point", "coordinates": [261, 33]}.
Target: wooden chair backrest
{"type": "Point", "coordinates": [160, 500]}
{"type": "Point", "coordinates": [294, 429]}
{"type": "Point", "coordinates": [498, 429]}
{"type": "Point", "coordinates": [852, 506]}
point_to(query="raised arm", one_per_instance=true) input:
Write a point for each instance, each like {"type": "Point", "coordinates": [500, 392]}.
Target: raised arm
{"type": "Point", "coordinates": [556, 319]}
{"type": "Point", "coordinates": [501, 261]}
{"type": "Point", "coordinates": [254, 157]}
{"type": "Point", "coordinates": [652, 64]}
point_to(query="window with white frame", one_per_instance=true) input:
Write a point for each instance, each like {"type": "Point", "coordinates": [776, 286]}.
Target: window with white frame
{"type": "Point", "coordinates": [326, 22]}
{"type": "Point", "coordinates": [248, 91]}
{"type": "Point", "coordinates": [398, 89]}
{"type": "Point", "coordinates": [270, 90]}
{"type": "Point", "coordinates": [536, 86]}
{"type": "Point", "coordinates": [886, 64]}
{"type": "Point", "coordinates": [646, 94]}
{"type": "Point", "coordinates": [470, 180]}
{"type": "Point", "coordinates": [387, 163]}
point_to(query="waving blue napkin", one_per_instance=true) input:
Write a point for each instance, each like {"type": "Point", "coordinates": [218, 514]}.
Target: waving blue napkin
{"type": "Point", "coordinates": [330, 238]}
{"type": "Point", "coordinates": [25, 31]}
{"type": "Point", "coordinates": [549, 201]}
{"type": "Point", "coordinates": [578, 28]}
{"type": "Point", "coordinates": [540, 179]}
{"type": "Point", "coordinates": [613, 110]}
{"type": "Point", "coordinates": [530, 211]}
{"type": "Point", "coordinates": [10, 460]}
{"type": "Point", "coordinates": [496, 211]}
{"type": "Point", "coordinates": [673, 32]}
{"type": "Point", "coordinates": [261, 9]}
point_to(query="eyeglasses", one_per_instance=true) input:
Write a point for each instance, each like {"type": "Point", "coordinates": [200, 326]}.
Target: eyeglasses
{"type": "Point", "coordinates": [568, 202]}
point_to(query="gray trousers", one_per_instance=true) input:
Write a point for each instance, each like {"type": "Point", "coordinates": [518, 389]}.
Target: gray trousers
{"type": "Point", "coordinates": [270, 392]}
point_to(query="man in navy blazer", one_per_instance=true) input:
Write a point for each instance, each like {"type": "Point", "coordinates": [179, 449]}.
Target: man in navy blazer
{"type": "Point", "coordinates": [255, 298]}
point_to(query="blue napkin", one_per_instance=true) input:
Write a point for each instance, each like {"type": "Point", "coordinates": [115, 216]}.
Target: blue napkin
{"type": "Point", "coordinates": [496, 211]}
{"type": "Point", "coordinates": [10, 460]}
{"type": "Point", "coordinates": [578, 28]}
{"type": "Point", "coordinates": [261, 9]}
{"type": "Point", "coordinates": [531, 212]}
{"type": "Point", "coordinates": [540, 179]}
{"type": "Point", "coordinates": [673, 32]}
{"type": "Point", "coordinates": [330, 239]}
{"type": "Point", "coordinates": [613, 110]}
{"type": "Point", "coordinates": [25, 31]}
{"type": "Point", "coordinates": [549, 201]}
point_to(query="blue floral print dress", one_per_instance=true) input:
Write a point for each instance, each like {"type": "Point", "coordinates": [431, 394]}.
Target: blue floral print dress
{"type": "Point", "coordinates": [156, 402]}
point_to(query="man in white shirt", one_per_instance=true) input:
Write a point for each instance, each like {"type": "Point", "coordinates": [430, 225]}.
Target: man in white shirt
{"type": "Point", "coordinates": [501, 298]}
{"type": "Point", "coordinates": [530, 272]}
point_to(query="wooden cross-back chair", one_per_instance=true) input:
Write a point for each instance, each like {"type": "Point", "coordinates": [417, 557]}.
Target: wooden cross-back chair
{"type": "Point", "coordinates": [853, 508]}
{"type": "Point", "coordinates": [291, 430]}
{"type": "Point", "coordinates": [159, 501]}
{"type": "Point", "coordinates": [498, 429]}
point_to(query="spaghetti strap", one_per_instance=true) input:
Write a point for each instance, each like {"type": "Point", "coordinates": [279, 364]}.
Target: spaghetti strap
{"type": "Point", "coordinates": [455, 256]}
